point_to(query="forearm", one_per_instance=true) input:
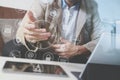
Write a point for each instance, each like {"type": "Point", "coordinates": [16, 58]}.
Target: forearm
{"type": "Point", "coordinates": [81, 50]}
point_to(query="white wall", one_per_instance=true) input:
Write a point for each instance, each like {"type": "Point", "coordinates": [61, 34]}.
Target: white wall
{"type": "Point", "coordinates": [20, 4]}
{"type": "Point", "coordinates": [109, 9]}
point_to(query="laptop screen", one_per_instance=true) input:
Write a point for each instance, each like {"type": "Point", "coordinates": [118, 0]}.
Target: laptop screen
{"type": "Point", "coordinates": [104, 63]}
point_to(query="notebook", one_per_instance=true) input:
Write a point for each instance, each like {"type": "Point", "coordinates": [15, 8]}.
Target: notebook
{"type": "Point", "coordinates": [104, 62]}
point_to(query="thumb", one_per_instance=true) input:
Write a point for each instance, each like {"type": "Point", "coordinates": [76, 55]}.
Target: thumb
{"type": "Point", "coordinates": [31, 16]}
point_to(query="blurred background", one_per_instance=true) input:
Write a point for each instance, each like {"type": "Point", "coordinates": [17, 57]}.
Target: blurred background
{"type": "Point", "coordinates": [108, 10]}
{"type": "Point", "coordinates": [13, 11]}
{"type": "Point", "coordinates": [110, 13]}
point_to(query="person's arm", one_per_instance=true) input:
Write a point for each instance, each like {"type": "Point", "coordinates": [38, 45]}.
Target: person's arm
{"type": "Point", "coordinates": [38, 12]}
{"type": "Point", "coordinates": [67, 49]}
{"type": "Point", "coordinates": [98, 27]}
{"type": "Point", "coordinates": [81, 49]}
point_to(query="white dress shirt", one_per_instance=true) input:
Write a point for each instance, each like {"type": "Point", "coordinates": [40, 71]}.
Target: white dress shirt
{"type": "Point", "coordinates": [69, 21]}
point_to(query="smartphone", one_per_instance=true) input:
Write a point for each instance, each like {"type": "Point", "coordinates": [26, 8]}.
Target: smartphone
{"type": "Point", "coordinates": [34, 68]}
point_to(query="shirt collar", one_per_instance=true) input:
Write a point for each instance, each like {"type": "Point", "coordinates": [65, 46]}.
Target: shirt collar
{"type": "Point", "coordinates": [64, 4]}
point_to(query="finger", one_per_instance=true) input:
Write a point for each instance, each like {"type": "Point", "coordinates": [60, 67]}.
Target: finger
{"type": "Point", "coordinates": [44, 35]}
{"type": "Point", "coordinates": [33, 38]}
{"type": "Point", "coordinates": [43, 30]}
{"type": "Point", "coordinates": [31, 16]}
{"type": "Point", "coordinates": [56, 46]}
{"type": "Point", "coordinates": [60, 50]}
{"type": "Point", "coordinates": [62, 54]}
{"type": "Point", "coordinates": [30, 26]}
{"type": "Point", "coordinates": [38, 35]}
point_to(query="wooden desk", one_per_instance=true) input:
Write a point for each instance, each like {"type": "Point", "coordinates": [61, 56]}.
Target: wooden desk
{"type": "Point", "coordinates": [11, 13]}
{"type": "Point", "coordinates": [1, 44]}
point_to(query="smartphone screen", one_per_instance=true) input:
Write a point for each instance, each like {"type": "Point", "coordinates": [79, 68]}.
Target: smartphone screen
{"type": "Point", "coordinates": [34, 68]}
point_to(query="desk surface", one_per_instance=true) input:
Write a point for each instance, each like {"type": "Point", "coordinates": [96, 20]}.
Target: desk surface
{"type": "Point", "coordinates": [68, 67]}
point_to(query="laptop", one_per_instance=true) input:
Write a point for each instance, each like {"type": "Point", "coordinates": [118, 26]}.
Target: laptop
{"type": "Point", "coordinates": [104, 63]}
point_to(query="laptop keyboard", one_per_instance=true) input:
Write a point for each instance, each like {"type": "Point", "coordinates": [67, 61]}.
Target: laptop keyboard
{"type": "Point", "coordinates": [76, 74]}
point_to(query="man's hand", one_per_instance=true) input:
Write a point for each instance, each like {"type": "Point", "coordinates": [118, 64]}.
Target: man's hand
{"type": "Point", "coordinates": [32, 32]}
{"type": "Point", "coordinates": [66, 49]}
